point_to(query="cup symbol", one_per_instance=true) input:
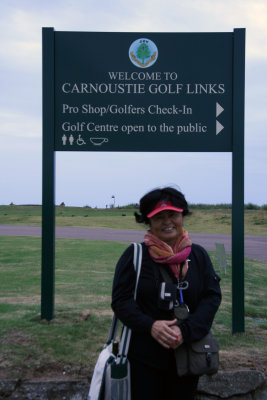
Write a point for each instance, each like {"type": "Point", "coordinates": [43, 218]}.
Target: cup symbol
{"type": "Point", "coordinates": [97, 141]}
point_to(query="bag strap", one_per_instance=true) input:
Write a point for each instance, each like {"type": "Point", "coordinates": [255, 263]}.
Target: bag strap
{"type": "Point", "coordinates": [137, 261]}
{"type": "Point", "coordinates": [126, 332]}
{"type": "Point", "coordinates": [113, 330]}
{"type": "Point", "coordinates": [165, 274]}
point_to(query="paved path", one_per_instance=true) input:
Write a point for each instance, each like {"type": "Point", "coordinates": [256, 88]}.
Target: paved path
{"type": "Point", "coordinates": [255, 246]}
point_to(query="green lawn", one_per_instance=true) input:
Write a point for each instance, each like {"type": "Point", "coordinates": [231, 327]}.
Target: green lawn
{"type": "Point", "coordinates": [83, 280]}
{"type": "Point", "coordinates": [211, 220]}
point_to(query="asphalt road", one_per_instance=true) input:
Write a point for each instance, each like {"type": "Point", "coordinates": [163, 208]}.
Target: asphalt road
{"type": "Point", "coordinates": [255, 246]}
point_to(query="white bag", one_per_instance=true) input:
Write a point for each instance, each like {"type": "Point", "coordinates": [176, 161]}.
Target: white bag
{"type": "Point", "coordinates": [117, 373]}
{"type": "Point", "coordinates": [98, 379]}
{"type": "Point", "coordinates": [111, 377]}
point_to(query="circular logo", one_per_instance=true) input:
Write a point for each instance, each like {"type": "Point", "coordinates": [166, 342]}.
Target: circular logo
{"type": "Point", "coordinates": [143, 53]}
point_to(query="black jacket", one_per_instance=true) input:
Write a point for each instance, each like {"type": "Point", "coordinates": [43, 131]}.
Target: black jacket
{"type": "Point", "coordinates": [203, 298]}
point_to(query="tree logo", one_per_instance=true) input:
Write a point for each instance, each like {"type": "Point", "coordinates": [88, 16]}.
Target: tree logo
{"type": "Point", "coordinates": [143, 53]}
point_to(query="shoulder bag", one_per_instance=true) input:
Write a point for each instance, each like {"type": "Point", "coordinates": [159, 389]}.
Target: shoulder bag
{"type": "Point", "coordinates": [111, 377]}
{"type": "Point", "coordinates": [196, 358]}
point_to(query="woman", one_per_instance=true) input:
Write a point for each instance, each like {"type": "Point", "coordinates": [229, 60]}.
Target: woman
{"type": "Point", "coordinates": [156, 333]}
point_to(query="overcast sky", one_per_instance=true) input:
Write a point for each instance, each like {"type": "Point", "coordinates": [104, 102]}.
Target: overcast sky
{"type": "Point", "coordinates": [92, 178]}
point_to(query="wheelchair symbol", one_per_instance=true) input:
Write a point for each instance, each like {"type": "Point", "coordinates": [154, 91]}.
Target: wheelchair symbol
{"type": "Point", "coordinates": [80, 141]}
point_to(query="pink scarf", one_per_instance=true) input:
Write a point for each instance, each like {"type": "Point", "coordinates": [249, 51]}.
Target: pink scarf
{"type": "Point", "coordinates": [162, 253]}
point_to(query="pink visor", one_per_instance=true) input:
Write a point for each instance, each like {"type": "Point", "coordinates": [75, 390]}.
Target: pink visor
{"type": "Point", "coordinates": [161, 206]}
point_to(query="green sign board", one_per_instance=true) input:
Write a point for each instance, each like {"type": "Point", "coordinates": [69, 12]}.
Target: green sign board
{"type": "Point", "coordinates": [143, 91]}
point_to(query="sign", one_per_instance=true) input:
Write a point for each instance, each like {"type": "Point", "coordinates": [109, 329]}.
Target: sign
{"type": "Point", "coordinates": [143, 91]}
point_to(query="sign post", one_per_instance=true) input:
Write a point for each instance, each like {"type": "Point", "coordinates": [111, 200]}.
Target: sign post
{"type": "Point", "coordinates": [171, 92]}
{"type": "Point", "coordinates": [238, 321]}
{"type": "Point", "coordinates": [48, 205]}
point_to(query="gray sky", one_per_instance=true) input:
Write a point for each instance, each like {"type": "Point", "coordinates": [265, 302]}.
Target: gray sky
{"type": "Point", "coordinates": [87, 178]}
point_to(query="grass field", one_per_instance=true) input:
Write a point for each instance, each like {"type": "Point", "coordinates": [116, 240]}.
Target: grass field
{"type": "Point", "coordinates": [211, 220]}
{"type": "Point", "coordinates": [68, 345]}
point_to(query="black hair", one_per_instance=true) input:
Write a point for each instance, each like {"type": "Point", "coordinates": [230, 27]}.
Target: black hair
{"type": "Point", "coordinates": [149, 201]}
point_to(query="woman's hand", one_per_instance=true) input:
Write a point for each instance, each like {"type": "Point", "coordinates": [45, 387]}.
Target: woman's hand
{"type": "Point", "coordinates": [179, 336]}
{"type": "Point", "coordinates": [167, 334]}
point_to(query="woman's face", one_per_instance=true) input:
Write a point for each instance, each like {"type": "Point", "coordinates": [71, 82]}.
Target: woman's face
{"type": "Point", "coordinates": [167, 225]}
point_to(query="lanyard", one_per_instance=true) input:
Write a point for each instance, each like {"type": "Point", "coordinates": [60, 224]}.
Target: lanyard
{"type": "Point", "coordinates": [181, 285]}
